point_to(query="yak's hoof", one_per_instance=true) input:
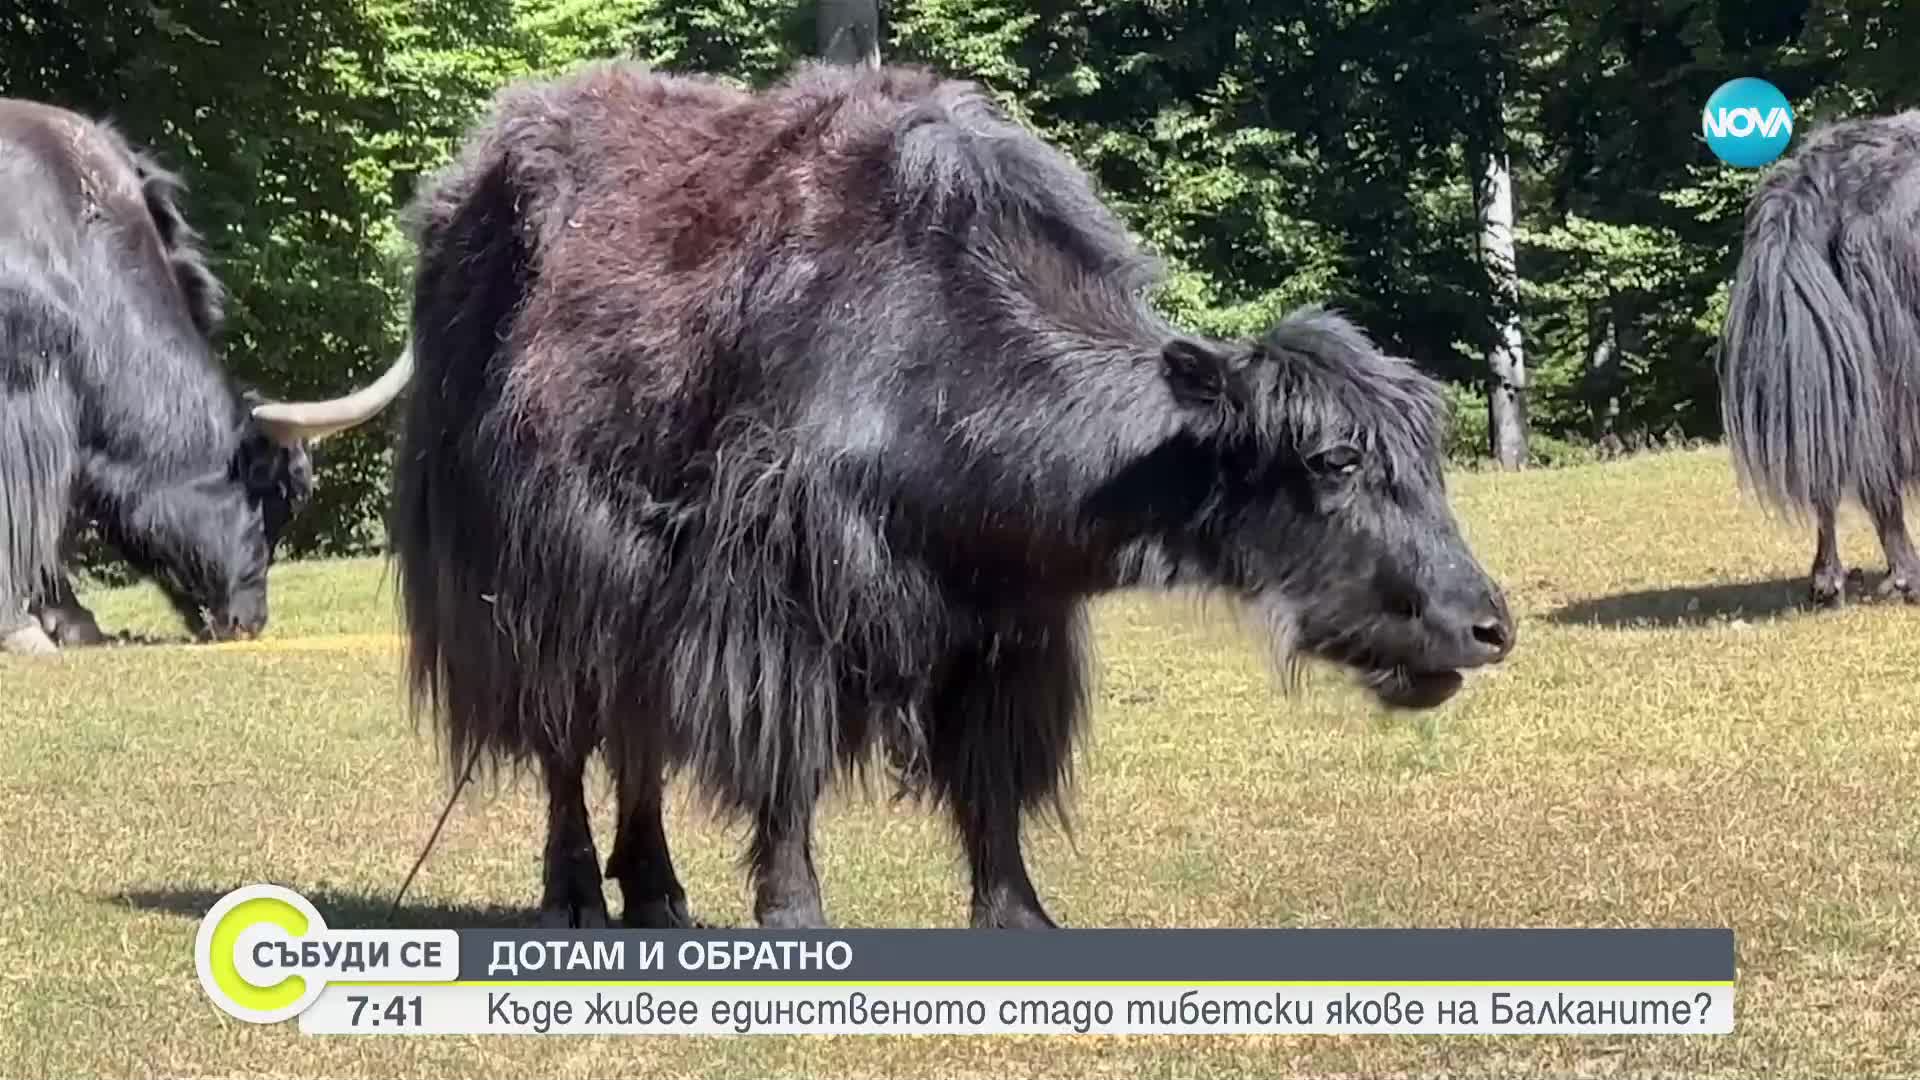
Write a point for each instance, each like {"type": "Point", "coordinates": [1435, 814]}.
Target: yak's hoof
{"type": "Point", "coordinates": [1898, 586]}
{"type": "Point", "coordinates": [1828, 594]}
{"type": "Point", "coordinates": [71, 632]}
{"type": "Point", "coordinates": [661, 913]}
{"type": "Point", "coordinates": [570, 896]}
{"type": "Point", "coordinates": [792, 917]}
{"type": "Point", "coordinates": [73, 637]}
{"type": "Point", "coordinates": [588, 916]}
{"type": "Point", "coordinates": [29, 640]}
{"type": "Point", "coordinates": [1013, 918]}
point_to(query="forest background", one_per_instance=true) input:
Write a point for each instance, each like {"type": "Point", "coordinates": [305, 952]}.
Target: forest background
{"type": "Point", "coordinates": [1516, 195]}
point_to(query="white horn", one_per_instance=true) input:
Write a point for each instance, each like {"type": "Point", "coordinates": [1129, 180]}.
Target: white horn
{"type": "Point", "coordinates": [289, 422]}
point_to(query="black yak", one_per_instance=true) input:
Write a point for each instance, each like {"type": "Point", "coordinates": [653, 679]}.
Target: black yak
{"type": "Point", "coordinates": [1820, 353]}
{"type": "Point", "coordinates": [756, 436]}
{"type": "Point", "coordinates": [112, 406]}
{"type": "Point", "coordinates": [66, 621]}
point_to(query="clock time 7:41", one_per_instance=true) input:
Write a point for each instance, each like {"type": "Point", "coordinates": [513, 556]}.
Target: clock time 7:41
{"type": "Point", "coordinates": [398, 1011]}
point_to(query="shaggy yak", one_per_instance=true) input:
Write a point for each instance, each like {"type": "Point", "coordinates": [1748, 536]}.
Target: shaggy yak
{"type": "Point", "coordinates": [755, 434]}
{"type": "Point", "coordinates": [112, 407]}
{"type": "Point", "coordinates": [1820, 356]}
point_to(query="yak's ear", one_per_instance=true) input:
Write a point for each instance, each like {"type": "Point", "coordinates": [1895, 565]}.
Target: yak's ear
{"type": "Point", "coordinates": [1201, 376]}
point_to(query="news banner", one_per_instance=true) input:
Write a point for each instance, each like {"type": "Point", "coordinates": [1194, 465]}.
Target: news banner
{"type": "Point", "coordinates": [266, 955]}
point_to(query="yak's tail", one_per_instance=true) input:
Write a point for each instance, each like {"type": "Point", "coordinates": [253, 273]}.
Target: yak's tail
{"type": "Point", "coordinates": [1800, 388]}
{"type": "Point", "coordinates": [37, 447]}
{"type": "Point", "coordinates": [444, 526]}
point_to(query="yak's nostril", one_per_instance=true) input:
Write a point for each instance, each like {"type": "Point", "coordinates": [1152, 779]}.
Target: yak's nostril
{"type": "Point", "coordinates": [1402, 604]}
{"type": "Point", "coordinates": [1494, 634]}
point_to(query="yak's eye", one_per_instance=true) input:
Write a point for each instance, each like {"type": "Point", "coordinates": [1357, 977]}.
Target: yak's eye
{"type": "Point", "coordinates": [260, 474]}
{"type": "Point", "coordinates": [1335, 461]}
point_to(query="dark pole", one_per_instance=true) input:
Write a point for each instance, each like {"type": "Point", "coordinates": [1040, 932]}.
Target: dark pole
{"type": "Point", "coordinates": [849, 31]}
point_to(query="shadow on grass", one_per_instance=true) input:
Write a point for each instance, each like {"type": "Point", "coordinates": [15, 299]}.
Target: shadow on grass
{"type": "Point", "coordinates": [344, 910]}
{"type": "Point", "coordinates": [129, 639]}
{"type": "Point", "coordinates": [1689, 605]}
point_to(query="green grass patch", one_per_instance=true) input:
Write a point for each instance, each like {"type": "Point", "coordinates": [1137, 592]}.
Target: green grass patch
{"type": "Point", "coordinates": [1674, 743]}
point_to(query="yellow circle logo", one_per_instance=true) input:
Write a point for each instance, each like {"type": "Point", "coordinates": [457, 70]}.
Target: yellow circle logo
{"type": "Point", "coordinates": [245, 923]}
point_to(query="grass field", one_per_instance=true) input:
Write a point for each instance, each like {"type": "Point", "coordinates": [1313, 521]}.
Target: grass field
{"type": "Point", "coordinates": [1674, 742]}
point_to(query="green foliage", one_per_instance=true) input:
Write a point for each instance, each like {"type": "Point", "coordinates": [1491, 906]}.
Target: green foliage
{"type": "Point", "coordinates": [1316, 151]}
{"type": "Point", "coordinates": [304, 127]}
{"type": "Point", "coordinates": [257, 105]}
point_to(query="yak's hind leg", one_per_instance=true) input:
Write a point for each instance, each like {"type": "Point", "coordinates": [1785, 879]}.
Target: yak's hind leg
{"type": "Point", "coordinates": [572, 895]}
{"type": "Point", "coordinates": [641, 861]}
{"type": "Point", "coordinates": [1001, 736]}
{"type": "Point", "coordinates": [786, 893]}
{"type": "Point", "coordinates": [1903, 565]}
{"type": "Point", "coordinates": [65, 619]}
{"type": "Point", "coordinates": [1829, 588]}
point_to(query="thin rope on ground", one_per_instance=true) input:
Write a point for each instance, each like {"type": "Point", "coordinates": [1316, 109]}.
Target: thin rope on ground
{"type": "Point", "coordinates": [465, 774]}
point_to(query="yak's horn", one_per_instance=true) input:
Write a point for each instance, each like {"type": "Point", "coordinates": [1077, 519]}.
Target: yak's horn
{"type": "Point", "coordinates": [289, 422]}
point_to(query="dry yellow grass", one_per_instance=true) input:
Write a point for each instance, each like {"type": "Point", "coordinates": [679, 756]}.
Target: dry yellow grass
{"type": "Point", "coordinates": [1673, 743]}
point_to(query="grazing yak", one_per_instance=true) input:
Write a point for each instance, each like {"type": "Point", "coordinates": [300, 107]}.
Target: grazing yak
{"type": "Point", "coordinates": [1820, 352]}
{"type": "Point", "coordinates": [758, 436]}
{"type": "Point", "coordinates": [112, 406]}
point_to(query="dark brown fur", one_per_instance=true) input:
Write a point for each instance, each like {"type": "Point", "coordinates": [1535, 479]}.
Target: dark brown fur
{"type": "Point", "coordinates": [755, 433]}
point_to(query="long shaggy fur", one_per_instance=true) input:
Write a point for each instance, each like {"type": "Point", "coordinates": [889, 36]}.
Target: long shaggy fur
{"type": "Point", "coordinates": [762, 436]}
{"type": "Point", "coordinates": [1820, 358]}
{"type": "Point", "coordinates": [111, 403]}
{"type": "Point", "coordinates": [37, 448]}
{"type": "Point", "coordinates": [163, 191]}
{"type": "Point", "coordinates": [661, 541]}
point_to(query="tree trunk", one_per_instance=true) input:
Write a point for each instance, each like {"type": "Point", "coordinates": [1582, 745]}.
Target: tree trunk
{"type": "Point", "coordinates": [1603, 365]}
{"type": "Point", "coordinates": [849, 31]}
{"type": "Point", "coordinates": [1506, 362]}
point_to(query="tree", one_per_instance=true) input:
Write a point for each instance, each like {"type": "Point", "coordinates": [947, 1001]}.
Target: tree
{"type": "Point", "coordinates": [1506, 360]}
{"type": "Point", "coordinates": [1491, 161]}
{"type": "Point", "coordinates": [257, 106]}
{"type": "Point", "coordinates": [1467, 178]}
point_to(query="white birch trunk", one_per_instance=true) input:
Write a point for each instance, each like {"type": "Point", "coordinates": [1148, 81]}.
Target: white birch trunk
{"type": "Point", "coordinates": [1603, 364]}
{"type": "Point", "coordinates": [1507, 401]}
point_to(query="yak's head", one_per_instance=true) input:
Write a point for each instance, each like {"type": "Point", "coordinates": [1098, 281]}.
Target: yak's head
{"type": "Point", "coordinates": [1329, 511]}
{"type": "Point", "coordinates": [209, 542]}
{"type": "Point", "coordinates": [276, 470]}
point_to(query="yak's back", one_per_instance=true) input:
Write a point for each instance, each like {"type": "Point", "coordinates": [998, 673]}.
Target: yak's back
{"type": "Point", "coordinates": [1864, 166]}
{"type": "Point", "coordinates": [661, 220]}
{"type": "Point", "coordinates": [621, 136]}
{"type": "Point", "coordinates": [83, 202]}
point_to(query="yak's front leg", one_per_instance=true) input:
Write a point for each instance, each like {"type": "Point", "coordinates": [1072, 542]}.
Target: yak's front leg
{"type": "Point", "coordinates": [571, 868]}
{"type": "Point", "coordinates": [1003, 893]}
{"type": "Point", "coordinates": [786, 886]}
{"type": "Point", "coordinates": [64, 618]}
{"type": "Point", "coordinates": [1903, 565]}
{"type": "Point", "coordinates": [1002, 732]}
{"type": "Point", "coordinates": [641, 861]}
{"type": "Point", "coordinates": [1829, 588]}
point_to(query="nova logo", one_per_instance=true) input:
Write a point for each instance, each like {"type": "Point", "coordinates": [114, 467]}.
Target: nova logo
{"type": "Point", "coordinates": [1747, 123]}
